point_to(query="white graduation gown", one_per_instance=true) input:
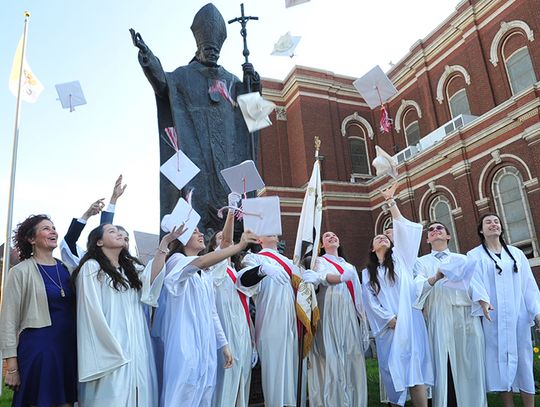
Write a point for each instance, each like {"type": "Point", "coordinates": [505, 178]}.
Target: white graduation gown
{"type": "Point", "coordinates": [454, 333]}
{"type": "Point", "coordinates": [232, 387]}
{"type": "Point", "coordinates": [516, 299]}
{"type": "Point", "coordinates": [403, 353]}
{"type": "Point", "coordinates": [115, 358]}
{"type": "Point", "coordinates": [337, 376]}
{"type": "Point", "coordinates": [276, 333]}
{"type": "Point", "coordinates": [191, 334]}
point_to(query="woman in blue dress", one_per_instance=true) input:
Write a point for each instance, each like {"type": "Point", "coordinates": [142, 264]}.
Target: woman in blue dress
{"type": "Point", "coordinates": [37, 321]}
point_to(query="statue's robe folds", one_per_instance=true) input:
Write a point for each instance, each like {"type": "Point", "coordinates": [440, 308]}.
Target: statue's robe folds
{"type": "Point", "coordinates": [211, 131]}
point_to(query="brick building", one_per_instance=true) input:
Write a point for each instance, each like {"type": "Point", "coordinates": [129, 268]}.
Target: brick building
{"type": "Point", "coordinates": [466, 133]}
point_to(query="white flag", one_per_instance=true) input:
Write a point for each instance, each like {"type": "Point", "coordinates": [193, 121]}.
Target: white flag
{"type": "Point", "coordinates": [31, 87]}
{"type": "Point", "coordinates": [309, 227]}
{"type": "Point", "coordinates": [307, 240]}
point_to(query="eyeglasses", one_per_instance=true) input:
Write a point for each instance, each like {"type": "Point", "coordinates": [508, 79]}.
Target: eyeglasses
{"type": "Point", "coordinates": [433, 228]}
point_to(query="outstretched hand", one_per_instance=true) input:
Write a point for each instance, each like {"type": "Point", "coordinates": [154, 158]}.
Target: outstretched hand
{"type": "Point", "coordinates": [174, 234]}
{"type": "Point", "coordinates": [388, 193]}
{"type": "Point", "coordinates": [95, 208]}
{"type": "Point", "coordinates": [118, 189]}
{"type": "Point", "coordinates": [247, 238]}
{"type": "Point", "coordinates": [138, 41]}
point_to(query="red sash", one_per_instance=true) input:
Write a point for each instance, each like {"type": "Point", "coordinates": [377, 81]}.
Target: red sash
{"type": "Point", "coordinates": [340, 269]}
{"type": "Point", "coordinates": [290, 273]}
{"type": "Point", "coordinates": [243, 298]}
{"type": "Point", "coordinates": [281, 262]}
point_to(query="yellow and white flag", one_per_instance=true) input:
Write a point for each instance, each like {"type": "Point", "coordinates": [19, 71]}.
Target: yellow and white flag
{"type": "Point", "coordinates": [31, 87]}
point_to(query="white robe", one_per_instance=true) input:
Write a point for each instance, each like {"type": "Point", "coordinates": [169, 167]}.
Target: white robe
{"type": "Point", "coordinates": [232, 387]}
{"type": "Point", "coordinates": [338, 370]}
{"type": "Point", "coordinates": [516, 299]}
{"type": "Point", "coordinates": [115, 358]}
{"type": "Point", "coordinates": [191, 334]}
{"type": "Point", "coordinates": [454, 333]}
{"type": "Point", "coordinates": [276, 333]}
{"type": "Point", "coordinates": [403, 353]}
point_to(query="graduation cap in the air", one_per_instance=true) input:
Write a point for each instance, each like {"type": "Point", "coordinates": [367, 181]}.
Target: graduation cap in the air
{"type": "Point", "coordinates": [292, 3]}
{"type": "Point", "coordinates": [255, 110]}
{"type": "Point", "coordinates": [262, 215]}
{"type": "Point", "coordinates": [183, 213]}
{"type": "Point", "coordinates": [384, 163]}
{"type": "Point", "coordinates": [286, 45]}
{"type": "Point", "coordinates": [243, 178]}
{"type": "Point", "coordinates": [376, 89]}
{"type": "Point", "coordinates": [179, 169]}
{"type": "Point", "coordinates": [70, 95]}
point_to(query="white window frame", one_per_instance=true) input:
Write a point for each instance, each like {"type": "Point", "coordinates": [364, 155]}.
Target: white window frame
{"type": "Point", "coordinates": [459, 92]}
{"type": "Point", "coordinates": [513, 55]}
{"type": "Point", "coordinates": [363, 138]}
{"type": "Point", "coordinates": [406, 133]}
{"type": "Point", "coordinates": [513, 171]}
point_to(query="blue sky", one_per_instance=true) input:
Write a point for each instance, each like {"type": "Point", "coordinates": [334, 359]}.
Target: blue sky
{"type": "Point", "coordinates": [67, 160]}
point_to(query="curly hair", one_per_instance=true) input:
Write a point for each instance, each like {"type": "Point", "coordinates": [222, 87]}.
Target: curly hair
{"type": "Point", "coordinates": [23, 232]}
{"type": "Point", "coordinates": [127, 264]}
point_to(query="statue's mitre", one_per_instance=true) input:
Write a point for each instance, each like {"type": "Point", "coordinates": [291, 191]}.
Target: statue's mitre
{"type": "Point", "coordinates": [209, 27]}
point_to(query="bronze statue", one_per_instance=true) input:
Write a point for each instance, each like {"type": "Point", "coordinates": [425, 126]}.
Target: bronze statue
{"type": "Point", "coordinates": [199, 101]}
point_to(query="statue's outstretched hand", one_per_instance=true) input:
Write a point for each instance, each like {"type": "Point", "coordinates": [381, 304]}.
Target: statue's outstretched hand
{"type": "Point", "coordinates": [138, 41]}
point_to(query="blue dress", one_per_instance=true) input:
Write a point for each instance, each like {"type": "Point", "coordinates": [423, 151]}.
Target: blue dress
{"type": "Point", "coordinates": [47, 357]}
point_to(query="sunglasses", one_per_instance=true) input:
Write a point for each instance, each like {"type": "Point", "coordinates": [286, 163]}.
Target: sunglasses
{"type": "Point", "coordinates": [433, 228]}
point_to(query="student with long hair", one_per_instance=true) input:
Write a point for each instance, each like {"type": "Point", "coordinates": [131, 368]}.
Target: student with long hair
{"type": "Point", "coordinates": [37, 321]}
{"type": "Point", "coordinates": [507, 277]}
{"type": "Point", "coordinates": [389, 294]}
{"type": "Point", "coordinates": [189, 326]}
{"type": "Point", "coordinates": [338, 373]}
{"type": "Point", "coordinates": [116, 362]}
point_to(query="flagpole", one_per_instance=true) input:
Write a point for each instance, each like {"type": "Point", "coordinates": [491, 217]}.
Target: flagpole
{"type": "Point", "coordinates": [7, 244]}
{"type": "Point", "coordinates": [304, 266]}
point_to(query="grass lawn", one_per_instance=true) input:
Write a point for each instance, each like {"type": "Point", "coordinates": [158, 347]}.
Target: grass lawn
{"type": "Point", "coordinates": [373, 390]}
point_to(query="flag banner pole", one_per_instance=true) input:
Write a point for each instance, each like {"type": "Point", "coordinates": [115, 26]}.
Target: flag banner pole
{"type": "Point", "coordinates": [7, 244]}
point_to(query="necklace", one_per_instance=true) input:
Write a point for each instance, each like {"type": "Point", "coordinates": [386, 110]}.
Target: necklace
{"type": "Point", "coordinates": [59, 284]}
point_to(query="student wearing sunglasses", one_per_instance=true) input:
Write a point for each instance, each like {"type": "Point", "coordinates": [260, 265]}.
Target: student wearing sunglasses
{"type": "Point", "coordinates": [455, 335]}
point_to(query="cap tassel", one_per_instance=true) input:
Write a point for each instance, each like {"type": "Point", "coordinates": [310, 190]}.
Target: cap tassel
{"type": "Point", "coordinates": [385, 122]}
{"type": "Point", "coordinates": [219, 87]}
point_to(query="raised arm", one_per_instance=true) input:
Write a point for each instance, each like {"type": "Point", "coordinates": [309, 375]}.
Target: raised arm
{"type": "Point", "coordinates": [228, 230]}
{"type": "Point", "coordinates": [107, 216]}
{"type": "Point", "coordinates": [163, 249]}
{"type": "Point", "coordinates": [215, 257]}
{"type": "Point", "coordinates": [150, 64]}
{"type": "Point", "coordinates": [77, 225]}
{"type": "Point", "coordinates": [388, 195]}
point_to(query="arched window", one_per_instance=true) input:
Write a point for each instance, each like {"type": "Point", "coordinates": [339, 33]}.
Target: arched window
{"type": "Point", "coordinates": [411, 127]}
{"type": "Point", "coordinates": [520, 70]}
{"type": "Point", "coordinates": [358, 149]}
{"type": "Point", "coordinates": [513, 208]}
{"type": "Point", "coordinates": [459, 103]}
{"type": "Point", "coordinates": [456, 94]}
{"type": "Point", "coordinates": [412, 134]}
{"type": "Point", "coordinates": [359, 157]}
{"type": "Point", "coordinates": [441, 211]}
